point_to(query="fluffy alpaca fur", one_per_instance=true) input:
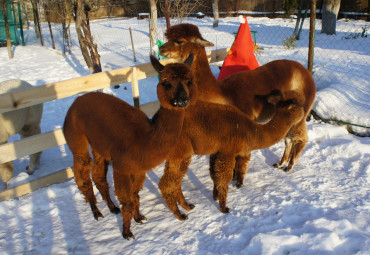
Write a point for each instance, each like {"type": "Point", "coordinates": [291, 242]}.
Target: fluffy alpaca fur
{"type": "Point", "coordinates": [123, 134]}
{"type": "Point", "coordinates": [25, 121]}
{"type": "Point", "coordinates": [240, 88]}
{"type": "Point", "coordinates": [227, 134]}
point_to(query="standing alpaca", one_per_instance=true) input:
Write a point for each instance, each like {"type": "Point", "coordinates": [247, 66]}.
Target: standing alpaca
{"type": "Point", "coordinates": [226, 133]}
{"type": "Point", "coordinates": [123, 134]}
{"type": "Point", "coordinates": [240, 88]}
{"type": "Point", "coordinates": [25, 121]}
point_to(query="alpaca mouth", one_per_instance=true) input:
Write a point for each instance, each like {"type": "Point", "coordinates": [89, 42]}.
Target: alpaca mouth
{"type": "Point", "coordinates": [180, 102]}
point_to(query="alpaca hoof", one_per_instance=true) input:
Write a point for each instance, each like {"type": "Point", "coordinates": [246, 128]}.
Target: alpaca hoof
{"type": "Point", "coordinates": [189, 207]}
{"type": "Point", "coordinates": [98, 215]}
{"type": "Point", "coordinates": [182, 217]}
{"type": "Point", "coordinates": [238, 185]}
{"type": "Point", "coordinates": [128, 235]}
{"type": "Point", "coordinates": [225, 210]}
{"type": "Point", "coordinates": [287, 169]}
{"type": "Point", "coordinates": [276, 165]}
{"type": "Point", "coordinates": [115, 210]}
{"type": "Point", "coordinates": [29, 170]}
{"type": "Point", "coordinates": [140, 219]}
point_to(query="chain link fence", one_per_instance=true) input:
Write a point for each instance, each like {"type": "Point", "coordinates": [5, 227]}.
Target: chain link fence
{"type": "Point", "coordinates": [345, 104]}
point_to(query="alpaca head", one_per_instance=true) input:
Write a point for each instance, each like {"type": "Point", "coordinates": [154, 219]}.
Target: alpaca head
{"type": "Point", "coordinates": [183, 39]}
{"type": "Point", "coordinates": [176, 87]}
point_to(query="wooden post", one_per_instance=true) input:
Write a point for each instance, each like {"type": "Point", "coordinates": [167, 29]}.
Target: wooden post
{"type": "Point", "coordinates": [311, 44]}
{"type": "Point", "coordinates": [135, 88]}
{"type": "Point", "coordinates": [132, 43]}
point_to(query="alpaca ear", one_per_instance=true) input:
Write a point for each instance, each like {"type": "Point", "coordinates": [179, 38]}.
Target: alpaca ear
{"type": "Point", "coordinates": [156, 64]}
{"type": "Point", "coordinates": [189, 60]}
{"type": "Point", "coordinates": [203, 42]}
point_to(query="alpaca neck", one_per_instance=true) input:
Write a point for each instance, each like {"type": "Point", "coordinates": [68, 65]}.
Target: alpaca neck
{"type": "Point", "coordinates": [165, 131]}
{"type": "Point", "coordinates": [208, 87]}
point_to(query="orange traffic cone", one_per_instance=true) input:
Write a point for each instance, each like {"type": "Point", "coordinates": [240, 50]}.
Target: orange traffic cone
{"type": "Point", "coordinates": [241, 57]}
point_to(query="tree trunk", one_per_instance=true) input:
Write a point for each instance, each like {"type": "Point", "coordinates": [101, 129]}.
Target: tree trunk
{"type": "Point", "coordinates": [330, 9]}
{"type": "Point", "coordinates": [37, 21]}
{"type": "Point", "coordinates": [47, 16]}
{"type": "Point", "coordinates": [8, 39]}
{"type": "Point", "coordinates": [86, 41]}
{"type": "Point", "coordinates": [167, 13]}
{"type": "Point", "coordinates": [215, 13]}
{"type": "Point", "coordinates": [153, 23]}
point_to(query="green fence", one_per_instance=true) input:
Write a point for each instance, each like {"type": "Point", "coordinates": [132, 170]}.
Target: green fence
{"type": "Point", "coordinates": [15, 21]}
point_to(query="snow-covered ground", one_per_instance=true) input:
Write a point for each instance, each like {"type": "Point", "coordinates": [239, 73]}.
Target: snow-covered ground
{"type": "Point", "coordinates": [321, 207]}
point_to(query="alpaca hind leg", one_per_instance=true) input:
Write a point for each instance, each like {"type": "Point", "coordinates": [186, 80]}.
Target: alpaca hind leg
{"type": "Point", "coordinates": [99, 176]}
{"type": "Point", "coordinates": [123, 188]}
{"type": "Point", "coordinates": [30, 130]}
{"type": "Point", "coordinates": [241, 168]}
{"type": "Point", "coordinates": [287, 152]}
{"type": "Point", "coordinates": [299, 137]}
{"type": "Point", "coordinates": [6, 172]}
{"type": "Point", "coordinates": [82, 169]}
{"type": "Point", "coordinates": [138, 184]}
{"type": "Point", "coordinates": [212, 173]}
{"type": "Point", "coordinates": [168, 185]}
{"type": "Point", "coordinates": [222, 176]}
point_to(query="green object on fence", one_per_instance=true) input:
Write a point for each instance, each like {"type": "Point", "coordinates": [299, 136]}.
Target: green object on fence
{"type": "Point", "coordinates": [159, 43]}
{"type": "Point", "coordinates": [254, 36]}
{"type": "Point", "coordinates": [13, 23]}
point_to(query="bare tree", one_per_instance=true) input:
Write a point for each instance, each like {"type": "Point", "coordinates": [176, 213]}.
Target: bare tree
{"type": "Point", "coordinates": [153, 23]}
{"type": "Point", "coordinates": [36, 18]}
{"type": "Point", "coordinates": [89, 49]}
{"type": "Point", "coordinates": [167, 13]}
{"type": "Point", "coordinates": [48, 6]}
{"type": "Point", "coordinates": [180, 9]}
{"type": "Point", "coordinates": [8, 39]}
{"type": "Point", "coordinates": [330, 10]}
{"type": "Point", "coordinates": [215, 13]}
{"type": "Point", "coordinates": [301, 17]}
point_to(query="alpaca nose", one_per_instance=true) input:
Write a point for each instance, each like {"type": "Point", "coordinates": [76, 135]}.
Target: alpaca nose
{"type": "Point", "coordinates": [181, 97]}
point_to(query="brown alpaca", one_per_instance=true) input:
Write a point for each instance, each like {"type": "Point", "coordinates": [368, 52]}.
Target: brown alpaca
{"type": "Point", "coordinates": [123, 134]}
{"type": "Point", "coordinates": [240, 88]}
{"type": "Point", "coordinates": [227, 134]}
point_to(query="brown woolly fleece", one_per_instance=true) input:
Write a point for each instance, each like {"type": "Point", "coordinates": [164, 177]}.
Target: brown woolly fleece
{"type": "Point", "coordinates": [123, 134]}
{"type": "Point", "coordinates": [241, 88]}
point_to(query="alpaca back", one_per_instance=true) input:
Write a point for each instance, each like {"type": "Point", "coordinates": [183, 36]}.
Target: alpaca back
{"type": "Point", "coordinates": [12, 122]}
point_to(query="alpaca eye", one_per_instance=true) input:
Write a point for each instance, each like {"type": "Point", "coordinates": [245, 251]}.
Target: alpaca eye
{"type": "Point", "coordinates": [166, 85]}
{"type": "Point", "coordinates": [179, 42]}
{"type": "Point", "coordinates": [190, 83]}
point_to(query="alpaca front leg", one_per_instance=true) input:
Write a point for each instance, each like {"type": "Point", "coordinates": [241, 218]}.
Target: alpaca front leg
{"type": "Point", "coordinates": [184, 166]}
{"type": "Point", "coordinates": [222, 175]}
{"type": "Point", "coordinates": [139, 180]}
{"type": "Point", "coordinates": [241, 168]}
{"type": "Point", "coordinates": [99, 175]}
{"type": "Point", "coordinates": [124, 191]}
{"type": "Point", "coordinates": [6, 172]}
{"type": "Point", "coordinates": [168, 185]}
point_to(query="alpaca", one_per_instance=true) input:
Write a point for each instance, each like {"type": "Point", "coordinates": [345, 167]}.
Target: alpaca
{"type": "Point", "coordinates": [240, 88]}
{"type": "Point", "coordinates": [25, 121]}
{"type": "Point", "coordinates": [123, 134]}
{"type": "Point", "coordinates": [226, 133]}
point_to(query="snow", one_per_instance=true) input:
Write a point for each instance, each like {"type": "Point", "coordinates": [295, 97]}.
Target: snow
{"type": "Point", "coordinates": [321, 207]}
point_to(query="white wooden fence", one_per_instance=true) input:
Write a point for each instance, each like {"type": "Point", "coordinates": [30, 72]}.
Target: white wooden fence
{"type": "Point", "coordinates": [54, 91]}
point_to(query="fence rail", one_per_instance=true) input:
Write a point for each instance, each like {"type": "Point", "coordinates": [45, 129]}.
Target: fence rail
{"type": "Point", "coordinates": [58, 90]}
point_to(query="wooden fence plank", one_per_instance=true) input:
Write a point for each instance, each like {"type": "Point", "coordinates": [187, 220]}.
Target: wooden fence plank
{"type": "Point", "coordinates": [62, 89]}
{"type": "Point", "coordinates": [42, 182]}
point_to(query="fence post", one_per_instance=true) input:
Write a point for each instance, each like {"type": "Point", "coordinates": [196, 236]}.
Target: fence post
{"type": "Point", "coordinates": [311, 44]}
{"type": "Point", "coordinates": [132, 44]}
{"type": "Point", "coordinates": [135, 88]}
